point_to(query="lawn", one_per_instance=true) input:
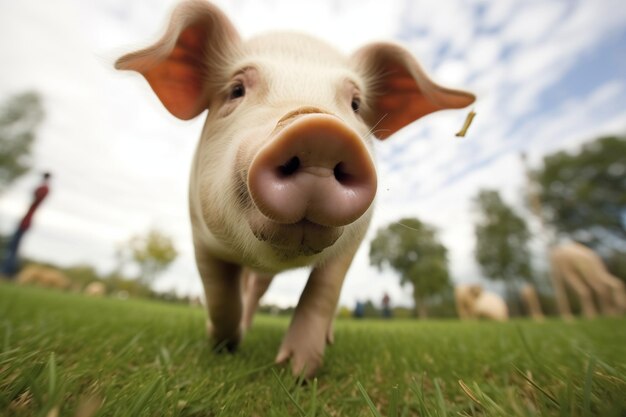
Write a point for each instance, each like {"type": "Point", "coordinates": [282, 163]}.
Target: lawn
{"type": "Point", "coordinates": [68, 355]}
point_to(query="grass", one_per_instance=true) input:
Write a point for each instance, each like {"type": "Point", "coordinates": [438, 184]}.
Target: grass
{"type": "Point", "coordinates": [68, 355]}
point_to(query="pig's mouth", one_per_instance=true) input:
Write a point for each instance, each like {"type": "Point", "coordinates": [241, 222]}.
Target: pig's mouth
{"type": "Point", "coordinates": [303, 238]}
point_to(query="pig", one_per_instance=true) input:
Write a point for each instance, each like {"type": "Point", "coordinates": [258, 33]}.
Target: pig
{"type": "Point", "coordinates": [578, 267]}
{"type": "Point", "coordinates": [44, 277]}
{"type": "Point", "coordinates": [283, 174]}
{"type": "Point", "coordinates": [474, 302]}
{"type": "Point", "coordinates": [95, 289]}
{"type": "Point", "coordinates": [531, 302]}
{"type": "Point", "coordinates": [491, 306]}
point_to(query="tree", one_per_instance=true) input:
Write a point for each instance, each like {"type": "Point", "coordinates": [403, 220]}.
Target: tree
{"type": "Point", "coordinates": [583, 194]}
{"type": "Point", "coordinates": [412, 249]}
{"type": "Point", "coordinates": [502, 239]}
{"type": "Point", "coordinates": [19, 118]}
{"type": "Point", "coordinates": [153, 253]}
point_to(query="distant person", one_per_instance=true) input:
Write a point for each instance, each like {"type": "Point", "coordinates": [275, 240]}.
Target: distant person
{"type": "Point", "coordinates": [359, 310]}
{"type": "Point", "coordinates": [10, 264]}
{"type": "Point", "coordinates": [386, 306]}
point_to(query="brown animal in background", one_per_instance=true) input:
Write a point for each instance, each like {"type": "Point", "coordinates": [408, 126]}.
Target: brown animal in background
{"type": "Point", "coordinates": [531, 302]}
{"type": "Point", "coordinates": [283, 175]}
{"type": "Point", "coordinates": [473, 302]}
{"type": "Point", "coordinates": [43, 277]}
{"type": "Point", "coordinates": [582, 270]}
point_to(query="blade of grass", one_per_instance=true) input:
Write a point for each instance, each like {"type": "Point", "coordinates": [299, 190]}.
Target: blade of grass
{"type": "Point", "coordinates": [393, 403]}
{"type": "Point", "coordinates": [419, 393]}
{"type": "Point", "coordinates": [469, 393]}
{"type": "Point", "coordinates": [131, 343]}
{"type": "Point", "coordinates": [526, 345]}
{"type": "Point", "coordinates": [250, 372]}
{"type": "Point", "coordinates": [587, 391]}
{"type": "Point", "coordinates": [537, 387]}
{"type": "Point", "coordinates": [284, 388]}
{"type": "Point", "coordinates": [143, 399]}
{"type": "Point", "coordinates": [313, 409]}
{"type": "Point", "coordinates": [566, 399]}
{"type": "Point", "coordinates": [9, 355]}
{"type": "Point", "coordinates": [8, 331]}
{"type": "Point", "coordinates": [440, 400]}
{"type": "Point", "coordinates": [368, 400]}
{"type": "Point", "coordinates": [488, 401]}
{"type": "Point", "coordinates": [52, 376]}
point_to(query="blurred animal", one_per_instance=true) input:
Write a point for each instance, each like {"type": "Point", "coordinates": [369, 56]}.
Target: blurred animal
{"type": "Point", "coordinates": [473, 302]}
{"type": "Point", "coordinates": [582, 270]}
{"type": "Point", "coordinates": [531, 302]}
{"type": "Point", "coordinates": [283, 175]}
{"type": "Point", "coordinates": [95, 289]}
{"type": "Point", "coordinates": [43, 277]}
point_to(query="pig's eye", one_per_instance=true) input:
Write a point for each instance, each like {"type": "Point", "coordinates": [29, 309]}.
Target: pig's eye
{"type": "Point", "coordinates": [237, 91]}
{"type": "Point", "coordinates": [356, 104]}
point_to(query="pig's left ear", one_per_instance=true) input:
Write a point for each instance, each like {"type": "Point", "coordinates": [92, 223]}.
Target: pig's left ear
{"type": "Point", "coordinates": [398, 90]}
{"type": "Point", "coordinates": [183, 65]}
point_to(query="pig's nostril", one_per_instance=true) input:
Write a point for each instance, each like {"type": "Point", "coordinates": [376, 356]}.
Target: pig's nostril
{"type": "Point", "coordinates": [289, 167]}
{"type": "Point", "coordinates": [340, 173]}
{"type": "Point", "coordinates": [315, 168]}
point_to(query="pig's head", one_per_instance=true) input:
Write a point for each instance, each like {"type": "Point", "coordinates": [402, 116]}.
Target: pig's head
{"type": "Point", "coordinates": [283, 174]}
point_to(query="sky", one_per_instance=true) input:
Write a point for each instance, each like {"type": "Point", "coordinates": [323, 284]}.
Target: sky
{"type": "Point", "coordinates": [549, 75]}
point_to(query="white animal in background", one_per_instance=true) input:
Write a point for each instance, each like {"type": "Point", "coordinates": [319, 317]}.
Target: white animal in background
{"type": "Point", "coordinates": [474, 302]}
{"type": "Point", "coordinates": [95, 289]}
{"type": "Point", "coordinates": [283, 175]}
{"type": "Point", "coordinates": [581, 269]}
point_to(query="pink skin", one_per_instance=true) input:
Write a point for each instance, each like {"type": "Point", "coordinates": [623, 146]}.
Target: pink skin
{"type": "Point", "coordinates": [312, 178]}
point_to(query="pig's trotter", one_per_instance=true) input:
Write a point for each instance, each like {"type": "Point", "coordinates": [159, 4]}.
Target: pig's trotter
{"type": "Point", "coordinates": [223, 343]}
{"type": "Point", "coordinates": [304, 345]}
{"type": "Point", "coordinates": [222, 287]}
{"type": "Point", "coordinates": [254, 286]}
{"type": "Point", "coordinates": [311, 327]}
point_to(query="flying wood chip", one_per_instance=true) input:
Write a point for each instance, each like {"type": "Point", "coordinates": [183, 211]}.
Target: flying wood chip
{"type": "Point", "coordinates": [468, 121]}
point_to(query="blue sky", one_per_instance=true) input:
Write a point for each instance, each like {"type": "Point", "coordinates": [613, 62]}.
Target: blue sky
{"type": "Point", "coordinates": [549, 75]}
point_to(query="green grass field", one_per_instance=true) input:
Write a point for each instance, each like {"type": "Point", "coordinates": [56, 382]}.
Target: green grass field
{"type": "Point", "coordinates": [68, 355]}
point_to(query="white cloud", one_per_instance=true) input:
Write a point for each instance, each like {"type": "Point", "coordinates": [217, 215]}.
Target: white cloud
{"type": "Point", "coordinates": [484, 53]}
{"type": "Point", "coordinates": [532, 22]}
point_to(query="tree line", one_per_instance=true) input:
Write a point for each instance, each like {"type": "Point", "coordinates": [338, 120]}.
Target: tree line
{"type": "Point", "coordinates": [577, 195]}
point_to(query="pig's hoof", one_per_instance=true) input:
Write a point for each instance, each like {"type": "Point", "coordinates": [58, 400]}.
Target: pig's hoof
{"type": "Point", "coordinates": [305, 360]}
{"type": "Point", "coordinates": [224, 341]}
{"type": "Point", "coordinates": [226, 346]}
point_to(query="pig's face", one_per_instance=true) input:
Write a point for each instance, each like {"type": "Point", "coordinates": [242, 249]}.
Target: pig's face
{"type": "Point", "coordinates": [283, 172]}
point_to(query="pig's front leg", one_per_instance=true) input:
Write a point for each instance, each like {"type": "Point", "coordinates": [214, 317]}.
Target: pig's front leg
{"type": "Point", "coordinates": [255, 285]}
{"type": "Point", "coordinates": [222, 288]}
{"type": "Point", "coordinates": [311, 326]}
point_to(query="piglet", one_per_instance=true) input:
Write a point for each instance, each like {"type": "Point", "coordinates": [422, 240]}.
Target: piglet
{"type": "Point", "coordinates": [283, 175]}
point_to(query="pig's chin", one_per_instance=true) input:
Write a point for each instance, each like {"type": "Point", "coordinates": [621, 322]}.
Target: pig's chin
{"type": "Point", "coordinates": [303, 238]}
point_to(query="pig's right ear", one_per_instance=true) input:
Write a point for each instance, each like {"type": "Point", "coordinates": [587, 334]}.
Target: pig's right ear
{"type": "Point", "coordinates": [181, 65]}
{"type": "Point", "coordinates": [398, 90]}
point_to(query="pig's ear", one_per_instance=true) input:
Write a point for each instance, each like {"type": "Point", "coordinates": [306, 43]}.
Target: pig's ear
{"type": "Point", "coordinates": [181, 65]}
{"type": "Point", "coordinates": [398, 90]}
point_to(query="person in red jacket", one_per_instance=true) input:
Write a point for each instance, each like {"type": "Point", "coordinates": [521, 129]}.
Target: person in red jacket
{"type": "Point", "coordinates": [10, 264]}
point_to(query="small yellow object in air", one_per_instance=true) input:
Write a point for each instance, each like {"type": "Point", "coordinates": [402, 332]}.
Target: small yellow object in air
{"type": "Point", "coordinates": [468, 121]}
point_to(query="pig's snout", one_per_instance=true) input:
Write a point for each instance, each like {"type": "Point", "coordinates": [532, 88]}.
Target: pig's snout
{"type": "Point", "coordinates": [315, 169]}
